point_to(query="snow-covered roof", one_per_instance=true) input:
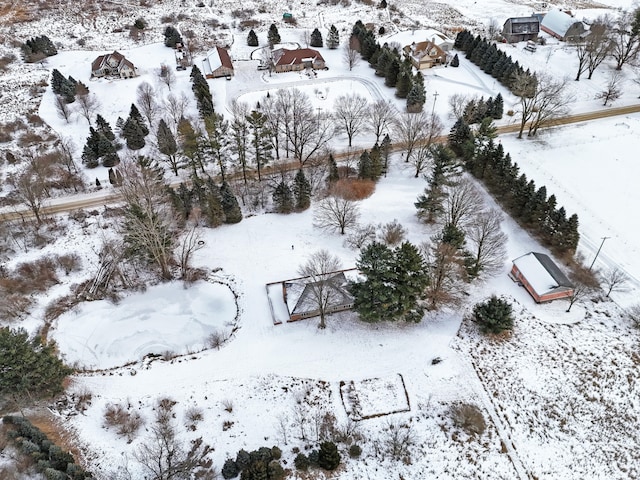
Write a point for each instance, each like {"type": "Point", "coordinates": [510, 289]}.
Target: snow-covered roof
{"type": "Point", "coordinates": [558, 22]}
{"type": "Point", "coordinates": [216, 58]}
{"type": "Point", "coordinates": [541, 272]}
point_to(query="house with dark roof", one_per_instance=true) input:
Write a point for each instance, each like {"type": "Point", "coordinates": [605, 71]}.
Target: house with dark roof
{"type": "Point", "coordinates": [425, 54]}
{"type": "Point", "coordinates": [521, 29]}
{"type": "Point", "coordinates": [217, 64]}
{"type": "Point", "coordinates": [541, 277]}
{"type": "Point", "coordinates": [563, 26]}
{"type": "Point", "coordinates": [285, 60]}
{"type": "Point", "coordinates": [112, 64]}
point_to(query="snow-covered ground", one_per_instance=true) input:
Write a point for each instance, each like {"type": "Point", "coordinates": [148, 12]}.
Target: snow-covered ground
{"type": "Point", "coordinates": [559, 395]}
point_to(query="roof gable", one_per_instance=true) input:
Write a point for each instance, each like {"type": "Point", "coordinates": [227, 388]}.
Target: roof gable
{"type": "Point", "coordinates": [283, 56]}
{"type": "Point", "coordinates": [542, 273]}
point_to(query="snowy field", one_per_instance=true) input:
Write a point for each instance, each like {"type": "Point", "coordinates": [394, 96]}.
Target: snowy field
{"type": "Point", "coordinates": [560, 395]}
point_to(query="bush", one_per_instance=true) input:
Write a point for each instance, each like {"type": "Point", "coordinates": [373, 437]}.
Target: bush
{"type": "Point", "coordinates": [355, 451]}
{"type": "Point", "coordinates": [301, 462]}
{"type": "Point", "coordinates": [125, 422]}
{"type": "Point", "coordinates": [276, 453]}
{"type": "Point", "coordinates": [353, 188]}
{"type": "Point", "coordinates": [230, 469]}
{"type": "Point", "coordinates": [494, 315]}
{"type": "Point", "coordinates": [328, 456]}
{"type": "Point", "coordinates": [392, 233]}
{"type": "Point", "coordinates": [469, 418]}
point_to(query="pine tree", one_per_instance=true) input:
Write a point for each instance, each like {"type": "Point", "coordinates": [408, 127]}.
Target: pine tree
{"type": "Point", "coordinates": [494, 316]}
{"type": "Point", "coordinates": [302, 191]}
{"type": "Point", "coordinates": [328, 456]}
{"type": "Point", "coordinates": [333, 38]}
{"type": "Point", "coordinates": [455, 61]}
{"type": "Point", "coordinates": [103, 127]}
{"type": "Point", "coordinates": [283, 198]}
{"type": "Point", "coordinates": [416, 97]}
{"type": "Point", "coordinates": [172, 37]}
{"type": "Point", "coordinates": [57, 81]}
{"type": "Point", "coordinates": [393, 70]}
{"type": "Point", "coordinates": [232, 212]}
{"type": "Point", "coordinates": [410, 280]}
{"type": "Point", "coordinates": [382, 62]}
{"type": "Point", "coordinates": [202, 92]}
{"type": "Point", "coordinates": [385, 151]}
{"type": "Point", "coordinates": [252, 39]}
{"type": "Point", "coordinates": [211, 205]}
{"type": "Point", "coordinates": [133, 134]}
{"type": "Point", "coordinates": [260, 140]}
{"type": "Point", "coordinates": [445, 168]}
{"type": "Point", "coordinates": [334, 175]}
{"type": "Point", "coordinates": [364, 166]}
{"type": "Point", "coordinates": [498, 108]}
{"type": "Point", "coordinates": [404, 82]}
{"type": "Point", "coordinates": [376, 162]}
{"type": "Point", "coordinates": [460, 136]}
{"type": "Point", "coordinates": [373, 297]}
{"type": "Point", "coordinates": [134, 114]}
{"type": "Point", "coordinates": [273, 37]}
{"type": "Point", "coordinates": [316, 38]}
{"type": "Point", "coordinates": [167, 145]}
{"type": "Point", "coordinates": [30, 368]}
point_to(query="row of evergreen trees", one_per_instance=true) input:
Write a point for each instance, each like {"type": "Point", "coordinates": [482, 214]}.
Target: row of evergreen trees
{"type": "Point", "coordinates": [216, 204]}
{"type": "Point", "coordinates": [333, 37]}
{"type": "Point", "coordinates": [477, 110]}
{"type": "Point", "coordinates": [202, 93]}
{"type": "Point", "coordinates": [388, 63]}
{"type": "Point", "coordinates": [531, 207]}
{"type": "Point", "coordinates": [37, 48]}
{"type": "Point", "coordinates": [489, 58]}
{"type": "Point", "coordinates": [287, 199]}
{"type": "Point", "coordinates": [67, 87]}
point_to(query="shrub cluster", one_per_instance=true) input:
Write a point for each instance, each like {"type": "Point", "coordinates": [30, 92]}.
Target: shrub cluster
{"type": "Point", "coordinates": [49, 458]}
{"type": "Point", "coordinates": [261, 464]}
{"type": "Point", "coordinates": [37, 48]}
{"type": "Point", "coordinates": [326, 457]}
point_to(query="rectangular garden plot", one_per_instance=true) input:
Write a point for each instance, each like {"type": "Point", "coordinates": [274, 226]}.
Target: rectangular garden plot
{"type": "Point", "coordinates": [374, 397]}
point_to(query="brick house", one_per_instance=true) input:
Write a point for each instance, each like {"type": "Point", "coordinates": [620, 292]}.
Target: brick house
{"type": "Point", "coordinates": [285, 60]}
{"type": "Point", "coordinates": [541, 277]}
{"type": "Point", "coordinates": [112, 64]}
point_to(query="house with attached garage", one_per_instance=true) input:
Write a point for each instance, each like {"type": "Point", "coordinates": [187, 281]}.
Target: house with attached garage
{"type": "Point", "coordinates": [521, 29]}
{"type": "Point", "coordinates": [563, 26]}
{"type": "Point", "coordinates": [541, 277]}
{"type": "Point", "coordinates": [217, 64]}
{"type": "Point", "coordinates": [112, 64]}
{"type": "Point", "coordinates": [429, 53]}
{"type": "Point", "coordinates": [285, 60]}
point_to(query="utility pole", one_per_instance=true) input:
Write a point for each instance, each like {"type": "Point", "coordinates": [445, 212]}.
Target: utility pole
{"type": "Point", "coordinates": [597, 253]}
{"type": "Point", "coordinates": [435, 97]}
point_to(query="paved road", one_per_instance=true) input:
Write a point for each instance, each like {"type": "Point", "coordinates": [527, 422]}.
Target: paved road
{"type": "Point", "coordinates": [106, 196]}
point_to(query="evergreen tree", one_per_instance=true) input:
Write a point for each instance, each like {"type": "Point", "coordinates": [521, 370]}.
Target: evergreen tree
{"type": "Point", "coordinates": [302, 191]}
{"type": "Point", "coordinates": [460, 137]}
{"type": "Point", "coordinates": [373, 297]}
{"type": "Point", "coordinates": [211, 205]}
{"type": "Point", "coordinates": [230, 206]}
{"type": "Point", "coordinates": [328, 456]}
{"type": "Point", "coordinates": [273, 37]}
{"type": "Point", "coordinates": [393, 70]}
{"type": "Point", "coordinates": [365, 171]}
{"type": "Point", "coordinates": [385, 151]}
{"type": "Point", "coordinates": [57, 80]}
{"type": "Point", "coordinates": [260, 140]}
{"type": "Point", "coordinates": [498, 108]}
{"type": "Point", "coordinates": [410, 280]}
{"type": "Point", "coordinates": [202, 92]}
{"type": "Point", "coordinates": [30, 368]}
{"type": "Point", "coordinates": [382, 62]}
{"type": "Point", "coordinates": [376, 162]}
{"type": "Point", "coordinates": [167, 145]}
{"type": "Point", "coordinates": [133, 134]}
{"type": "Point", "coordinates": [316, 38]}
{"type": "Point", "coordinates": [252, 39]}
{"type": "Point", "coordinates": [172, 37]}
{"type": "Point", "coordinates": [445, 168]}
{"type": "Point", "coordinates": [283, 198]}
{"type": "Point", "coordinates": [134, 114]}
{"type": "Point", "coordinates": [455, 61]}
{"type": "Point", "coordinates": [494, 316]}
{"type": "Point", "coordinates": [417, 95]}
{"type": "Point", "coordinates": [404, 82]}
{"type": "Point", "coordinates": [103, 127]}
{"type": "Point", "coordinates": [333, 38]}
{"type": "Point", "coordinates": [37, 48]}
{"type": "Point", "coordinates": [334, 175]}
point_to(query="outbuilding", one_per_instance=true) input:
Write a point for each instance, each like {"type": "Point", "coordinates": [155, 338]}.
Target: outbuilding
{"type": "Point", "coordinates": [521, 29]}
{"type": "Point", "coordinates": [541, 277]}
{"type": "Point", "coordinates": [562, 26]}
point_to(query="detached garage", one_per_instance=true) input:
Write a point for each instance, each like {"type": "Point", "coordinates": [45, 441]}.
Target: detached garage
{"type": "Point", "coordinates": [542, 278]}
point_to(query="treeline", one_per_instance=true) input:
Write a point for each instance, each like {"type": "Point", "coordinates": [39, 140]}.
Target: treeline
{"type": "Point", "coordinates": [531, 207]}
{"type": "Point", "coordinates": [492, 61]}
{"type": "Point", "coordinates": [388, 63]}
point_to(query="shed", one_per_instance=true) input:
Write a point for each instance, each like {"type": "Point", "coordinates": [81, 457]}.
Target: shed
{"type": "Point", "coordinates": [287, 16]}
{"type": "Point", "coordinates": [521, 29]}
{"type": "Point", "coordinates": [541, 277]}
{"type": "Point", "coordinates": [562, 26]}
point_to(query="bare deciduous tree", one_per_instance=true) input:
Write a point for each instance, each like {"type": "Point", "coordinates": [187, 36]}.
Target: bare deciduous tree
{"type": "Point", "coordinates": [360, 236]}
{"type": "Point", "coordinates": [175, 106]}
{"type": "Point", "coordinates": [615, 280]}
{"type": "Point", "coordinates": [351, 112]}
{"type": "Point", "coordinates": [31, 191]}
{"type": "Point", "coordinates": [458, 103]}
{"type": "Point", "coordinates": [188, 245]}
{"type": "Point", "coordinates": [613, 91]}
{"type": "Point", "coordinates": [146, 101]}
{"type": "Point", "coordinates": [88, 105]}
{"type": "Point", "coordinates": [493, 28]}
{"type": "Point", "coordinates": [398, 439]}
{"type": "Point", "coordinates": [320, 269]}
{"type": "Point", "coordinates": [409, 129]}
{"type": "Point", "coordinates": [62, 108]}
{"type": "Point", "coordinates": [422, 152]}
{"type": "Point", "coordinates": [486, 242]}
{"type": "Point", "coordinates": [633, 313]}
{"type": "Point", "coordinates": [542, 99]}
{"type": "Point", "coordinates": [599, 45]}
{"type": "Point", "coordinates": [350, 53]}
{"type": "Point", "coordinates": [166, 76]}
{"type": "Point", "coordinates": [444, 270]}
{"type": "Point", "coordinates": [624, 37]}
{"type": "Point", "coordinates": [462, 202]}
{"type": "Point", "coordinates": [380, 117]}
{"type": "Point", "coordinates": [337, 214]}
{"type": "Point", "coordinates": [165, 457]}
{"type": "Point", "coordinates": [584, 284]}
